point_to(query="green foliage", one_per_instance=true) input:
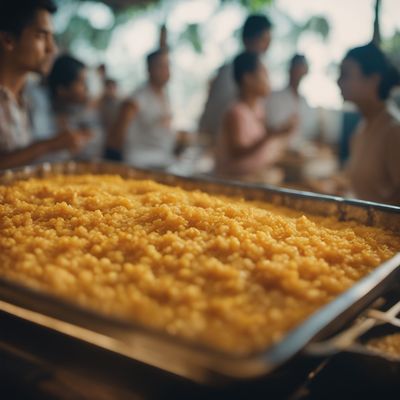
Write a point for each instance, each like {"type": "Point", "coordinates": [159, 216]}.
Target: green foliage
{"type": "Point", "coordinates": [392, 47]}
{"type": "Point", "coordinates": [192, 35]}
{"type": "Point", "coordinates": [252, 5]}
{"type": "Point", "coordinates": [319, 25]}
{"type": "Point", "coordinates": [79, 28]}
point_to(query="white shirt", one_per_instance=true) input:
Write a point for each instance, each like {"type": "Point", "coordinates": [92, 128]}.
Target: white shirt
{"type": "Point", "coordinates": [40, 109]}
{"type": "Point", "coordinates": [282, 105]}
{"type": "Point", "coordinates": [15, 131]}
{"type": "Point", "coordinates": [151, 139]}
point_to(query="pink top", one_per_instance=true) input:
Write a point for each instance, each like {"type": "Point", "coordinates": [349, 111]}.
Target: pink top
{"type": "Point", "coordinates": [250, 130]}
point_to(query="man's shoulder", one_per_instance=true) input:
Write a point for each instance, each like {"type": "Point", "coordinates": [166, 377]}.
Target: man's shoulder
{"type": "Point", "coordinates": [4, 94]}
{"type": "Point", "coordinates": [393, 112]}
{"type": "Point", "coordinates": [223, 86]}
{"type": "Point", "coordinates": [225, 70]}
{"type": "Point", "coordinates": [281, 94]}
{"type": "Point", "coordinates": [141, 91]}
{"type": "Point", "coordinates": [236, 110]}
{"type": "Point", "coordinates": [228, 66]}
{"type": "Point", "coordinates": [390, 125]}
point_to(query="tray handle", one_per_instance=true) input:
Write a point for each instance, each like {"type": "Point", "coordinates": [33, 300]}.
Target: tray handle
{"type": "Point", "coordinates": [348, 339]}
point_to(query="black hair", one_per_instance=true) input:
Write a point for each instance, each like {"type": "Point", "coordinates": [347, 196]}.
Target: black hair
{"type": "Point", "coordinates": [110, 81]}
{"type": "Point", "coordinates": [65, 71]}
{"type": "Point", "coordinates": [297, 59]}
{"type": "Point", "coordinates": [372, 60]}
{"type": "Point", "coordinates": [151, 57]}
{"type": "Point", "coordinates": [102, 68]}
{"type": "Point", "coordinates": [245, 63]}
{"type": "Point", "coordinates": [255, 26]}
{"type": "Point", "coordinates": [16, 15]}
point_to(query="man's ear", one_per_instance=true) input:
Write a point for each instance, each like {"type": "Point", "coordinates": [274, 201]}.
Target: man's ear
{"type": "Point", "coordinates": [247, 78]}
{"type": "Point", "coordinates": [375, 79]}
{"type": "Point", "coordinates": [7, 41]}
{"type": "Point", "coordinates": [62, 92]}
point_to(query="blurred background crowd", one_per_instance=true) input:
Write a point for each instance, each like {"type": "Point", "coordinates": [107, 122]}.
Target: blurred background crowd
{"type": "Point", "coordinates": [301, 94]}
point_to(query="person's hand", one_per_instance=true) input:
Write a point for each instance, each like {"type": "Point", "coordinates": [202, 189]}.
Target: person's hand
{"type": "Point", "coordinates": [291, 124]}
{"type": "Point", "coordinates": [183, 140]}
{"type": "Point", "coordinates": [116, 134]}
{"type": "Point", "coordinates": [336, 185]}
{"type": "Point", "coordinates": [129, 108]}
{"type": "Point", "coordinates": [73, 141]}
{"type": "Point", "coordinates": [286, 129]}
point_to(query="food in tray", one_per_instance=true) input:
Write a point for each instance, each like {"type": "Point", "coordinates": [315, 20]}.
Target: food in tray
{"type": "Point", "coordinates": [232, 274]}
{"type": "Point", "coordinates": [388, 345]}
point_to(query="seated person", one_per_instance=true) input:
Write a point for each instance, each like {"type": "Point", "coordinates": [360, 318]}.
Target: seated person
{"type": "Point", "coordinates": [69, 96]}
{"type": "Point", "coordinates": [244, 146]}
{"type": "Point", "coordinates": [26, 45]}
{"type": "Point", "coordinates": [142, 134]}
{"type": "Point", "coordinates": [366, 79]}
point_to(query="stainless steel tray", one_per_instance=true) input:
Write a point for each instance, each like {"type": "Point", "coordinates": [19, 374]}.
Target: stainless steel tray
{"type": "Point", "coordinates": [185, 359]}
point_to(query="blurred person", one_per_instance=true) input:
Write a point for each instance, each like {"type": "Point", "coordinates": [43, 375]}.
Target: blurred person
{"type": "Point", "coordinates": [38, 102]}
{"type": "Point", "coordinates": [108, 104]}
{"type": "Point", "coordinates": [366, 79]}
{"type": "Point", "coordinates": [26, 45]}
{"type": "Point", "coordinates": [69, 95]}
{"type": "Point", "coordinates": [244, 146]}
{"type": "Point", "coordinates": [102, 73]}
{"type": "Point", "coordinates": [96, 82]}
{"type": "Point", "coordinates": [163, 37]}
{"type": "Point", "coordinates": [284, 104]}
{"type": "Point", "coordinates": [142, 133]}
{"type": "Point", "coordinates": [256, 37]}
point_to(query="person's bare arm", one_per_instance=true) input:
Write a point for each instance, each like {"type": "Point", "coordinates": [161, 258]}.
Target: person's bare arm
{"type": "Point", "coordinates": [183, 140]}
{"type": "Point", "coordinates": [72, 141]}
{"type": "Point", "coordinates": [117, 133]}
{"type": "Point", "coordinates": [235, 129]}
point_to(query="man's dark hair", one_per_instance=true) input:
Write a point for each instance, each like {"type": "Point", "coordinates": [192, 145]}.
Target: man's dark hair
{"type": "Point", "coordinates": [152, 57]}
{"type": "Point", "coordinates": [65, 71]}
{"type": "Point", "coordinates": [16, 15]}
{"type": "Point", "coordinates": [110, 81]}
{"type": "Point", "coordinates": [245, 63]}
{"type": "Point", "coordinates": [297, 59]}
{"type": "Point", "coordinates": [255, 26]}
{"type": "Point", "coordinates": [372, 60]}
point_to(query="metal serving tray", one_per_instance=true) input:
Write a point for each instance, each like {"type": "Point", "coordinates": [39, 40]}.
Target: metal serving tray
{"type": "Point", "coordinates": [182, 358]}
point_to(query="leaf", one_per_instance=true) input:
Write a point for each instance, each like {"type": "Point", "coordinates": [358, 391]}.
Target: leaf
{"type": "Point", "coordinates": [252, 5]}
{"type": "Point", "coordinates": [319, 25]}
{"type": "Point", "coordinates": [192, 35]}
{"type": "Point", "coordinates": [392, 47]}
